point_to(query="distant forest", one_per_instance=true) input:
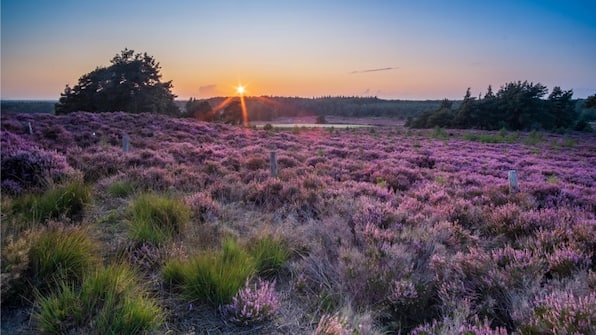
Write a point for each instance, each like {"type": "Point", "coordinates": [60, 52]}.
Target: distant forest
{"type": "Point", "coordinates": [268, 108]}
{"type": "Point", "coordinates": [420, 113]}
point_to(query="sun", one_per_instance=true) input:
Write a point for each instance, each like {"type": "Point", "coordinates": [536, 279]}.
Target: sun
{"type": "Point", "coordinates": [240, 89]}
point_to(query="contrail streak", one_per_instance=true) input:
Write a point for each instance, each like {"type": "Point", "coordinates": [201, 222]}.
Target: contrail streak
{"type": "Point", "coordinates": [375, 70]}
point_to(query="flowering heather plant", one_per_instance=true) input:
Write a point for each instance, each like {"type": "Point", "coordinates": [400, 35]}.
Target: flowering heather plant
{"type": "Point", "coordinates": [203, 205]}
{"type": "Point", "coordinates": [563, 313]}
{"type": "Point", "coordinates": [27, 167]}
{"type": "Point", "coordinates": [253, 304]}
{"type": "Point", "coordinates": [565, 260]}
{"type": "Point", "coordinates": [458, 328]}
{"type": "Point", "coordinates": [333, 324]}
{"type": "Point", "coordinates": [403, 292]}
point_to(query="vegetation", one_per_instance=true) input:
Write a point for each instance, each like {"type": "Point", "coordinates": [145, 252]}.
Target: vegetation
{"type": "Point", "coordinates": [516, 106]}
{"type": "Point", "coordinates": [214, 277]}
{"type": "Point", "coordinates": [110, 301]}
{"type": "Point", "coordinates": [68, 201]}
{"type": "Point", "coordinates": [390, 230]}
{"type": "Point", "coordinates": [155, 218]}
{"type": "Point", "coordinates": [132, 83]}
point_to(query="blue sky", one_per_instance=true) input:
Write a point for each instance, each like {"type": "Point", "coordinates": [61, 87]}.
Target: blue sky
{"type": "Point", "coordinates": [427, 49]}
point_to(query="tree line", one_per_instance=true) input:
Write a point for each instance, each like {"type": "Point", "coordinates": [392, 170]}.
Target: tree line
{"type": "Point", "coordinates": [132, 83]}
{"type": "Point", "coordinates": [516, 106]}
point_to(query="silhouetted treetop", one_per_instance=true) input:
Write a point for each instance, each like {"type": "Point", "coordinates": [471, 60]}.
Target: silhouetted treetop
{"type": "Point", "coordinates": [132, 83]}
{"type": "Point", "coordinates": [516, 106]}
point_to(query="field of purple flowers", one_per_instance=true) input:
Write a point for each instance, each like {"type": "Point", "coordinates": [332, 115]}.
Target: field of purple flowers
{"type": "Point", "coordinates": [389, 230]}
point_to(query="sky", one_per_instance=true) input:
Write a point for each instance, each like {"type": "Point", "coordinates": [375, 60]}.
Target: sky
{"type": "Point", "coordinates": [423, 49]}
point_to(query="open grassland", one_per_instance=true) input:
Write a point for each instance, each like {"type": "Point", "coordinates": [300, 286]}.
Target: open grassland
{"type": "Point", "coordinates": [363, 231]}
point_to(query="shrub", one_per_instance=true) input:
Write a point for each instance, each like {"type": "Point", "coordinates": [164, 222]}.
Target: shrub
{"type": "Point", "coordinates": [270, 255]}
{"type": "Point", "coordinates": [453, 327]}
{"type": "Point", "coordinates": [252, 305]}
{"type": "Point", "coordinates": [565, 312]}
{"type": "Point", "coordinates": [155, 218]}
{"type": "Point", "coordinates": [214, 277]}
{"type": "Point", "coordinates": [109, 302]}
{"type": "Point", "coordinates": [69, 200]}
{"type": "Point", "coordinates": [25, 167]}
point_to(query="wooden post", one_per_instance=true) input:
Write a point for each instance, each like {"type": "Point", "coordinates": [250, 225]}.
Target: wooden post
{"type": "Point", "coordinates": [513, 187]}
{"type": "Point", "coordinates": [125, 143]}
{"type": "Point", "coordinates": [30, 128]}
{"type": "Point", "coordinates": [273, 163]}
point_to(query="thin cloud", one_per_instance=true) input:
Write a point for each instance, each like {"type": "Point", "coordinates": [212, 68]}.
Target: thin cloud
{"type": "Point", "coordinates": [375, 70]}
{"type": "Point", "coordinates": [207, 90]}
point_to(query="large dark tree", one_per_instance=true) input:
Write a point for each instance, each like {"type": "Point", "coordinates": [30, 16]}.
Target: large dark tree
{"type": "Point", "coordinates": [132, 83]}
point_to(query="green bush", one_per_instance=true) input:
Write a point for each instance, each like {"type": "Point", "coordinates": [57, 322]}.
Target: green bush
{"type": "Point", "coordinates": [214, 277]}
{"type": "Point", "coordinates": [270, 255]}
{"type": "Point", "coordinates": [155, 218]}
{"type": "Point", "coordinates": [68, 200]}
{"type": "Point", "coordinates": [61, 253]}
{"type": "Point", "coordinates": [110, 302]}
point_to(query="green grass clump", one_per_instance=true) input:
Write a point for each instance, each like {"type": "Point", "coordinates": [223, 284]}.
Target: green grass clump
{"type": "Point", "coordinates": [214, 277]}
{"type": "Point", "coordinates": [120, 189]}
{"type": "Point", "coordinates": [155, 218]}
{"type": "Point", "coordinates": [68, 200]}
{"type": "Point", "coordinates": [270, 255]}
{"type": "Point", "coordinates": [61, 253]}
{"type": "Point", "coordinates": [110, 302]}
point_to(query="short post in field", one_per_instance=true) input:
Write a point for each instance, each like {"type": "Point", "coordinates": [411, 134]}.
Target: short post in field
{"type": "Point", "coordinates": [30, 128]}
{"type": "Point", "coordinates": [125, 143]}
{"type": "Point", "coordinates": [273, 163]}
{"type": "Point", "coordinates": [513, 187]}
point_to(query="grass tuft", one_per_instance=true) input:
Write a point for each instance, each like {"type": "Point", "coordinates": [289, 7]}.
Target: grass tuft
{"type": "Point", "coordinates": [214, 277]}
{"type": "Point", "coordinates": [61, 253]}
{"type": "Point", "coordinates": [120, 189]}
{"type": "Point", "coordinates": [270, 255]}
{"type": "Point", "coordinates": [155, 218]}
{"type": "Point", "coordinates": [69, 200]}
{"type": "Point", "coordinates": [110, 301]}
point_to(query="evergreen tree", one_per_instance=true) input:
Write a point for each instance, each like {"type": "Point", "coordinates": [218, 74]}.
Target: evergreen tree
{"type": "Point", "coordinates": [132, 83]}
{"type": "Point", "coordinates": [561, 108]}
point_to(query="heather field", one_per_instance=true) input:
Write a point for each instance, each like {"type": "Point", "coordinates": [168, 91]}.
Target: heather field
{"type": "Point", "coordinates": [380, 230]}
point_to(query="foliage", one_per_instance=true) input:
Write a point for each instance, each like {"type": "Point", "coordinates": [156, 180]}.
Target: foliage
{"type": "Point", "coordinates": [27, 167]}
{"type": "Point", "coordinates": [214, 277]}
{"type": "Point", "coordinates": [68, 201]}
{"type": "Point", "coordinates": [563, 311]}
{"type": "Point", "coordinates": [516, 106]}
{"type": "Point", "coordinates": [120, 189]}
{"type": "Point", "coordinates": [398, 224]}
{"type": "Point", "coordinates": [155, 218]}
{"type": "Point", "coordinates": [270, 255]}
{"type": "Point", "coordinates": [40, 258]}
{"type": "Point", "coordinates": [108, 302]}
{"type": "Point", "coordinates": [198, 109]}
{"type": "Point", "coordinates": [253, 304]}
{"type": "Point", "coordinates": [132, 83]}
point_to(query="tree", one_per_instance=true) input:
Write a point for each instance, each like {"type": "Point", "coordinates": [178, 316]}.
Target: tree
{"type": "Point", "coordinates": [561, 108]}
{"type": "Point", "coordinates": [132, 83]}
{"type": "Point", "coordinates": [520, 105]}
{"type": "Point", "coordinates": [199, 109]}
{"type": "Point", "coordinates": [590, 101]}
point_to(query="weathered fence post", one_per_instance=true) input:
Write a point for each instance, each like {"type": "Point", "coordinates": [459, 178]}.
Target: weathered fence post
{"type": "Point", "coordinates": [273, 163]}
{"type": "Point", "coordinates": [125, 143]}
{"type": "Point", "coordinates": [513, 187]}
{"type": "Point", "coordinates": [30, 128]}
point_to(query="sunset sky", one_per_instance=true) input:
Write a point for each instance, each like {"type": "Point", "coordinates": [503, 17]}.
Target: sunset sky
{"type": "Point", "coordinates": [392, 49]}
